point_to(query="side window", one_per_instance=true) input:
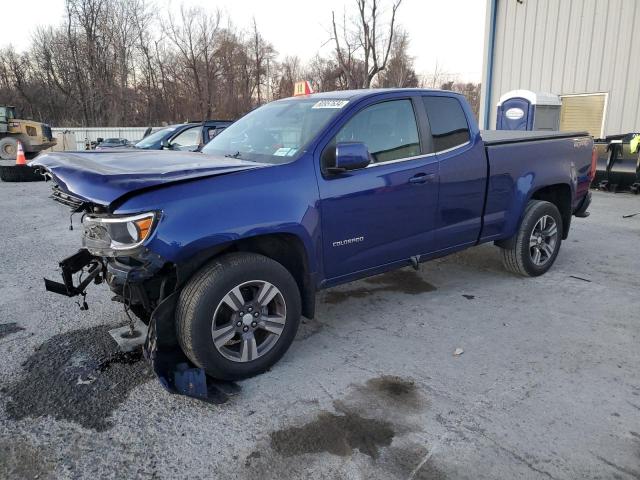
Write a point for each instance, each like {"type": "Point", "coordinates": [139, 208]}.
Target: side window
{"type": "Point", "coordinates": [448, 122]}
{"type": "Point", "coordinates": [388, 129]}
{"type": "Point", "coordinates": [189, 139]}
{"type": "Point", "coordinates": [213, 132]}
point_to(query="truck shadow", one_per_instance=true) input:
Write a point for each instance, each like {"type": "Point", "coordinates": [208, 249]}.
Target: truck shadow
{"type": "Point", "coordinates": [401, 281]}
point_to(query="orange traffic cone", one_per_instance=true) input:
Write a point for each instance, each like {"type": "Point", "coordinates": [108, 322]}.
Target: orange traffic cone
{"type": "Point", "coordinates": [20, 158]}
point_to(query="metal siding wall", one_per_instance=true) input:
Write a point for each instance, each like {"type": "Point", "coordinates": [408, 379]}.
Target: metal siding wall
{"type": "Point", "coordinates": [571, 46]}
{"type": "Point", "coordinates": [560, 40]}
{"type": "Point", "coordinates": [583, 52]}
{"type": "Point", "coordinates": [539, 35]}
{"type": "Point", "coordinates": [619, 69]}
{"type": "Point", "coordinates": [517, 42]}
{"type": "Point", "coordinates": [630, 114]}
{"type": "Point", "coordinates": [549, 46]}
{"type": "Point", "coordinates": [570, 63]}
{"type": "Point", "coordinates": [597, 47]}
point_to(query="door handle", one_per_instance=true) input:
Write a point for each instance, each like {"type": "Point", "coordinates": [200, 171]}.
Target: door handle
{"type": "Point", "coordinates": [422, 178]}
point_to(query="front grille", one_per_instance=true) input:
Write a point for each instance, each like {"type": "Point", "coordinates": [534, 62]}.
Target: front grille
{"type": "Point", "coordinates": [46, 131]}
{"type": "Point", "coordinates": [70, 201]}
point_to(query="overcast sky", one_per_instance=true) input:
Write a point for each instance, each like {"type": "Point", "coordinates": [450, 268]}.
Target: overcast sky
{"type": "Point", "coordinates": [449, 32]}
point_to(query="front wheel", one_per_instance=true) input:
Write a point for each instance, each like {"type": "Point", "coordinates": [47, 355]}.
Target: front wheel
{"type": "Point", "coordinates": [238, 315]}
{"type": "Point", "coordinates": [537, 243]}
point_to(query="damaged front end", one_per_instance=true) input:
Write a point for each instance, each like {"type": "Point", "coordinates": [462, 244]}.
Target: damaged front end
{"type": "Point", "coordinates": [114, 252]}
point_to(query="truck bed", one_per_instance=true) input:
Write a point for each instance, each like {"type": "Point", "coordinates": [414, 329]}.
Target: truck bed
{"type": "Point", "coordinates": [499, 137]}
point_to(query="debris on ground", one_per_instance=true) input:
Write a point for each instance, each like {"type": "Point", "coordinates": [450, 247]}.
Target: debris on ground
{"type": "Point", "coordinates": [9, 328]}
{"type": "Point", "coordinates": [630, 215]}
{"type": "Point", "coordinates": [580, 278]}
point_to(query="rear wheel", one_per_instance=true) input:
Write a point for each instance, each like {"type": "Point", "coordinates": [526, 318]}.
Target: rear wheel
{"type": "Point", "coordinates": [238, 315]}
{"type": "Point", "coordinates": [537, 243]}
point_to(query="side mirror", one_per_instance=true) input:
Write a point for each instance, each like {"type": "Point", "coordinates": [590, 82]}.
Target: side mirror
{"type": "Point", "coordinates": [350, 156]}
{"type": "Point", "coordinates": [164, 144]}
{"type": "Point", "coordinates": [99, 140]}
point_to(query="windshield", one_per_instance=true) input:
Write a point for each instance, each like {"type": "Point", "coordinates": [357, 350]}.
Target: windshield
{"type": "Point", "coordinates": [276, 132]}
{"type": "Point", "coordinates": [155, 137]}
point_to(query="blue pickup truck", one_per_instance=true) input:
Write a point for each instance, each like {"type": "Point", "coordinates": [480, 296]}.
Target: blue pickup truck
{"type": "Point", "coordinates": [222, 252]}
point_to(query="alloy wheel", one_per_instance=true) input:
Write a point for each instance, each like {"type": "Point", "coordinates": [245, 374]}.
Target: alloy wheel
{"type": "Point", "coordinates": [543, 240]}
{"type": "Point", "coordinates": [248, 321]}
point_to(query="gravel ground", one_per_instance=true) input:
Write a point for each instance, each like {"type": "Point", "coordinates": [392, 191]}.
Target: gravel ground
{"type": "Point", "coordinates": [548, 385]}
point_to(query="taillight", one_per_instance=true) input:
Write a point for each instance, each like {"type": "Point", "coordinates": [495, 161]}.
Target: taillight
{"type": "Point", "coordinates": [594, 162]}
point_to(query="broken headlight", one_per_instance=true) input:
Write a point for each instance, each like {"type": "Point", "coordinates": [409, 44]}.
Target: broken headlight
{"type": "Point", "coordinates": [110, 235]}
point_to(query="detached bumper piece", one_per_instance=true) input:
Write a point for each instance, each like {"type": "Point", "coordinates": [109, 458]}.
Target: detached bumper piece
{"type": "Point", "coordinates": [174, 370]}
{"type": "Point", "coordinates": [72, 265]}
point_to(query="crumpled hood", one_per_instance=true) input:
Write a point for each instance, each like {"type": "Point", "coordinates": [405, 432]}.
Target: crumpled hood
{"type": "Point", "coordinates": [104, 176]}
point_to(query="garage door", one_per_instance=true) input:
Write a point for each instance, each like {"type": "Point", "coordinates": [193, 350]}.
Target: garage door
{"type": "Point", "coordinates": [583, 112]}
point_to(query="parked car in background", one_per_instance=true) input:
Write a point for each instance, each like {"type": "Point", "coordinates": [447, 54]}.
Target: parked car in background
{"type": "Point", "coordinates": [187, 137]}
{"type": "Point", "coordinates": [112, 143]}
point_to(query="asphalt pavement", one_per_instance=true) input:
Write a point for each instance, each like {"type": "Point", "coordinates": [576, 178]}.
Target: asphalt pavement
{"type": "Point", "coordinates": [545, 382]}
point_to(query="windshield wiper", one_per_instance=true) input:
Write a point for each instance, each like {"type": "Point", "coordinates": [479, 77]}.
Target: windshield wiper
{"type": "Point", "coordinates": [235, 155]}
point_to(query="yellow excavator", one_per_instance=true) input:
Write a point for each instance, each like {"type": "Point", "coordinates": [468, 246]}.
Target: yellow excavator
{"type": "Point", "coordinates": [34, 136]}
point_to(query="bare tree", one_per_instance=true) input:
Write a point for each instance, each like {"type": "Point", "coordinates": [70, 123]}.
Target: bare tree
{"type": "Point", "coordinates": [400, 71]}
{"type": "Point", "coordinates": [437, 77]}
{"type": "Point", "coordinates": [116, 62]}
{"type": "Point", "coordinates": [363, 51]}
{"type": "Point", "coordinates": [262, 52]}
{"type": "Point", "coordinates": [289, 71]}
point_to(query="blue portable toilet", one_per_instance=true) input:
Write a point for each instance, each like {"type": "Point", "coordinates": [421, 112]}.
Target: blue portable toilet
{"type": "Point", "coordinates": [527, 110]}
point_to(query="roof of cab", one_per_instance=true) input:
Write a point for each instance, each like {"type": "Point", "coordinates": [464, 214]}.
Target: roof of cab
{"type": "Point", "coordinates": [365, 92]}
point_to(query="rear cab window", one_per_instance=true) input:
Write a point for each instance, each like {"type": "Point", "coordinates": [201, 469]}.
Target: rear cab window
{"type": "Point", "coordinates": [449, 127]}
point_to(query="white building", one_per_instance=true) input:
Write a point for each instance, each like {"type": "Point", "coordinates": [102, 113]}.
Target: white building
{"type": "Point", "coordinates": [586, 51]}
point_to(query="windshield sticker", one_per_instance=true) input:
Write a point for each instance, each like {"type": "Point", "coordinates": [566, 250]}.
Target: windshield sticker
{"type": "Point", "coordinates": [330, 104]}
{"type": "Point", "coordinates": [283, 152]}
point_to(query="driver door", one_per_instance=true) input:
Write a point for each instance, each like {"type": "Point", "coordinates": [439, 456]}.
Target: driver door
{"type": "Point", "coordinates": [384, 213]}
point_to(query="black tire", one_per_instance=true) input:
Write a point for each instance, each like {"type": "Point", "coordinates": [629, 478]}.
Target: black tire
{"type": "Point", "coordinates": [8, 148]}
{"type": "Point", "coordinates": [517, 255]}
{"type": "Point", "coordinates": [204, 294]}
{"type": "Point", "coordinates": [19, 173]}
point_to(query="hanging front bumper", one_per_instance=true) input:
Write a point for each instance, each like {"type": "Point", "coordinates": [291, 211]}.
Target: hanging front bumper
{"type": "Point", "coordinates": [73, 264]}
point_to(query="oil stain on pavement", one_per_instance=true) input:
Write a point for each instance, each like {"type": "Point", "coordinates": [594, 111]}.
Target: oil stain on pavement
{"type": "Point", "coordinates": [347, 430]}
{"type": "Point", "coordinates": [79, 376]}
{"type": "Point", "coordinates": [402, 281]}
{"type": "Point", "coordinates": [9, 328]}
{"type": "Point", "coordinates": [336, 434]}
{"type": "Point", "coordinates": [371, 418]}
{"type": "Point", "coordinates": [397, 390]}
